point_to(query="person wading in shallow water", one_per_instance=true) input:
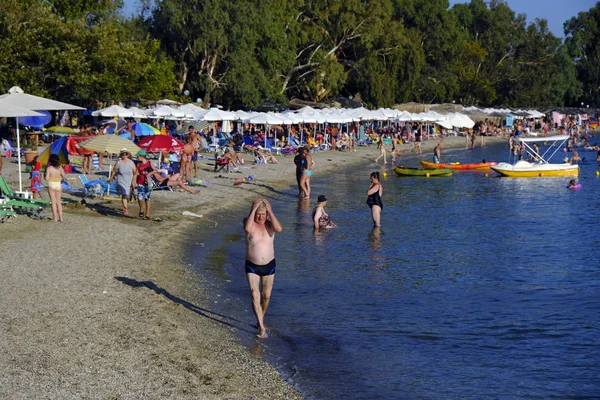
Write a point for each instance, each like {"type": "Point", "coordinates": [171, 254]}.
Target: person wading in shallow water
{"type": "Point", "coordinates": [374, 193]}
{"type": "Point", "coordinates": [261, 225]}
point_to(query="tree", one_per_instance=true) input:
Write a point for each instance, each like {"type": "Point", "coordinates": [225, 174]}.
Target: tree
{"type": "Point", "coordinates": [194, 34]}
{"type": "Point", "coordinates": [68, 59]}
{"type": "Point", "coordinates": [583, 44]}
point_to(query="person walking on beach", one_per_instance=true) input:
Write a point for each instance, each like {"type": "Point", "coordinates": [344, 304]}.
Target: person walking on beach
{"type": "Point", "coordinates": [54, 176]}
{"type": "Point", "coordinates": [374, 193]}
{"type": "Point", "coordinates": [437, 153]}
{"type": "Point", "coordinates": [381, 148]}
{"type": "Point", "coordinates": [260, 226]}
{"type": "Point", "coordinates": [123, 172]}
{"type": "Point", "coordinates": [142, 174]}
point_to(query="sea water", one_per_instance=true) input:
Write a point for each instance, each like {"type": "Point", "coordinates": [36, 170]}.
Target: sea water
{"type": "Point", "coordinates": [475, 287]}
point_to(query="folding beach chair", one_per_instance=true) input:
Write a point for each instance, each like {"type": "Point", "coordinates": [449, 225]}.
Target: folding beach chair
{"type": "Point", "coordinates": [249, 145]}
{"type": "Point", "coordinates": [220, 163]}
{"type": "Point", "coordinates": [156, 185]}
{"type": "Point", "coordinates": [97, 187]}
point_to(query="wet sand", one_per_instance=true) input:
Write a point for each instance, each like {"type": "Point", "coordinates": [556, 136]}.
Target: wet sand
{"type": "Point", "coordinates": [103, 306]}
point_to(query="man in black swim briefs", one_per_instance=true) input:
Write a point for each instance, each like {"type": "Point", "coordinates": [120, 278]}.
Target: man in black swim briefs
{"type": "Point", "coordinates": [261, 226]}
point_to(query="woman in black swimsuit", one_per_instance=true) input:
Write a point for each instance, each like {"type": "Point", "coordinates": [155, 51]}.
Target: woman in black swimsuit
{"type": "Point", "coordinates": [374, 198]}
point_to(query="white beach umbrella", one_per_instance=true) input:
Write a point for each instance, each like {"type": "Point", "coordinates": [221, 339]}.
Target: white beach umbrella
{"type": "Point", "coordinates": [263, 119]}
{"type": "Point", "coordinates": [190, 110]}
{"type": "Point", "coordinates": [460, 120]}
{"type": "Point", "coordinates": [404, 116]}
{"type": "Point", "coordinates": [10, 111]}
{"type": "Point", "coordinates": [214, 114]}
{"type": "Point", "coordinates": [167, 102]}
{"type": "Point", "coordinates": [165, 111]}
{"type": "Point", "coordinates": [114, 111]}
{"type": "Point", "coordinates": [18, 98]}
{"type": "Point", "coordinates": [138, 112]}
{"type": "Point", "coordinates": [296, 118]}
{"type": "Point", "coordinates": [283, 119]}
{"type": "Point", "coordinates": [444, 123]}
{"type": "Point", "coordinates": [307, 118]}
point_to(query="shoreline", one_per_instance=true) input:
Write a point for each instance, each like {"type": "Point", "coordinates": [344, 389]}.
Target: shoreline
{"type": "Point", "coordinates": [105, 306]}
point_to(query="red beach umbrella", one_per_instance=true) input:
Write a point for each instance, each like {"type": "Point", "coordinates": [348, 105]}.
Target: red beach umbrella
{"type": "Point", "coordinates": [160, 143]}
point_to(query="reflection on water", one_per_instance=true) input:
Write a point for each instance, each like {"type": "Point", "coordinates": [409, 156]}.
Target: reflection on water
{"type": "Point", "coordinates": [465, 292]}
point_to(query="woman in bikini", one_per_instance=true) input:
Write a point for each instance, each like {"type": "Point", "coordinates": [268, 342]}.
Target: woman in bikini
{"type": "Point", "coordinates": [54, 176]}
{"type": "Point", "coordinates": [320, 218]}
{"type": "Point", "coordinates": [374, 193]}
{"type": "Point", "coordinates": [307, 166]}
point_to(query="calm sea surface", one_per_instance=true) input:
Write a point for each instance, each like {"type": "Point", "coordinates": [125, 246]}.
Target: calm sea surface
{"type": "Point", "coordinates": [476, 287]}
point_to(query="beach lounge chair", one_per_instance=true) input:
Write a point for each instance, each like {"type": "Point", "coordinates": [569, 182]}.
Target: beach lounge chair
{"type": "Point", "coordinates": [10, 194]}
{"type": "Point", "coordinates": [270, 147]}
{"type": "Point", "coordinates": [249, 145]}
{"type": "Point", "coordinates": [6, 211]}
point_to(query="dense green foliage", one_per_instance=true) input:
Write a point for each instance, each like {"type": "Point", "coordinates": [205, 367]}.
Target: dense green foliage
{"type": "Point", "coordinates": [241, 53]}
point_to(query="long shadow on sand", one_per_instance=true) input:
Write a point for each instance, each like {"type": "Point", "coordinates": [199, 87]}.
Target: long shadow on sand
{"type": "Point", "coordinates": [192, 307]}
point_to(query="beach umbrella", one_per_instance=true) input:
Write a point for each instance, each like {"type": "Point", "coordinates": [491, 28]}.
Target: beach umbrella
{"type": "Point", "coordinates": [114, 125]}
{"type": "Point", "coordinates": [138, 112]}
{"type": "Point", "coordinates": [190, 109]}
{"type": "Point", "coordinates": [160, 143]}
{"type": "Point", "coordinates": [60, 129]}
{"type": "Point", "coordinates": [167, 102]}
{"type": "Point", "coordinates": [16, 97]}
{"type": "Point", "coordinates": [112, 144]}
{"type": "Point", "coordinates": [142, 129]}
{"type": "Point", "coordinates": [37, 122]}
{"type": "Point", "coordinates": [214, 114]}
{"type": "Point", "coordinates": [11, 111]}
{"type": "Point", "coordinates": [165, 112]}
{"type": "Point", "coordinates": [113, 111]}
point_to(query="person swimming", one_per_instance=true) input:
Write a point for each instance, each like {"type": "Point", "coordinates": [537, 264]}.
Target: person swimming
{"type": "Point", "coordinates": [573, 185]}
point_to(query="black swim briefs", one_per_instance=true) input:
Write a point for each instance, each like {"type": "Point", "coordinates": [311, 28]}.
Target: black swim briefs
{"type": "Point", "coordinates": [261, 270]}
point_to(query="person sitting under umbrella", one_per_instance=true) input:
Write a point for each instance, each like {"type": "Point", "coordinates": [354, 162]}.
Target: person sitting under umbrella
{"type": "Point", "coordinates": [173, 180]}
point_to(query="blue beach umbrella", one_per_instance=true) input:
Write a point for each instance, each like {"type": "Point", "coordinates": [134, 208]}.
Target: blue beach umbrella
{"type": "Point", "coordinates": [37, 122]}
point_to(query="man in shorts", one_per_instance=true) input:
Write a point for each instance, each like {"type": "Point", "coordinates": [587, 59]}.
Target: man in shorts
{"type": "Point", "coordinates": [194, 139]}
{"type": "Point", "coordinates": [142, 174]}
{"type": "Point", "coordinates": [261, 225]}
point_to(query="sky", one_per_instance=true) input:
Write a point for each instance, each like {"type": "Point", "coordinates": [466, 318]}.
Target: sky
{"type": "Point", "coordinates": [555, 11]}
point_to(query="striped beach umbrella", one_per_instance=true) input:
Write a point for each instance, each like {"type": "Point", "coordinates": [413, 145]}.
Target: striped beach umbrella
{"type": "Point", "coordinates": [112, 144]}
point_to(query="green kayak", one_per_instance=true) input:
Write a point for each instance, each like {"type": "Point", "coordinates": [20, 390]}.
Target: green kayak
{"type": "Point", "coordinates": [406, 171]}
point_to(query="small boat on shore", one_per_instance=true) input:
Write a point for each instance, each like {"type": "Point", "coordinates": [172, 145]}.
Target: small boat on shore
{"type": "Point", "coordinates": [406, 171]}
{"type": "Point", "coordinates": [541, 167]}
{"type": "Point", "coordinates": [459, 166]}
